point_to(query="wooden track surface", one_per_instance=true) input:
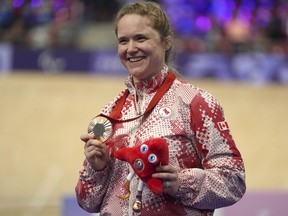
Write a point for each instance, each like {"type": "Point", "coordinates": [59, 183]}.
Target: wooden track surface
{"type": "Point", "coordinates": [42, 117]}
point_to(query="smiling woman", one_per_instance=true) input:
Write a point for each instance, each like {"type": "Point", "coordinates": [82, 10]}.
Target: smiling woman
{"type": "Point", "coordinates": [205, 169]}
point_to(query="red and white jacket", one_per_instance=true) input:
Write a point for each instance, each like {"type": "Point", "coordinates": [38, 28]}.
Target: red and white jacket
{"type": "Point", "coordinates": [211, 169]}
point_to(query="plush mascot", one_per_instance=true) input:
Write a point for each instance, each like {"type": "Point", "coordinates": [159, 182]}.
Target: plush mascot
{"type": "Point", "coordinates": [144, 159]}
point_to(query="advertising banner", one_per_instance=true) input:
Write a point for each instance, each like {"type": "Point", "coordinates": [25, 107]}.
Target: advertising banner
{"type": "Point", "coordinates": [259, 68]}
{"type": "Point", "coordinates": [51, 60]}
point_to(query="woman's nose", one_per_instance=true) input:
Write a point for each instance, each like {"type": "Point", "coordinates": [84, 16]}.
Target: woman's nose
{"type": "Point", "coordinates": [132, 47]}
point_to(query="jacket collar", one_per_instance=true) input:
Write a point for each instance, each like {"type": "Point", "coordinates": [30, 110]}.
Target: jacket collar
{"type": "Point", "coordinates": [150, 85]}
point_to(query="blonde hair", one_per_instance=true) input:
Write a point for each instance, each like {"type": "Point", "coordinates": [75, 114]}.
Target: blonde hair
{"type": "Point", "coordinates": [159, 19]}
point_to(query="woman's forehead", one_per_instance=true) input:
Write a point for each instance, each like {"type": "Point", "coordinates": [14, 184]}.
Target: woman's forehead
{"type": "Point", "coordinates": [136, 18]}
{"type": "Point", "coordinates": [134, 22]}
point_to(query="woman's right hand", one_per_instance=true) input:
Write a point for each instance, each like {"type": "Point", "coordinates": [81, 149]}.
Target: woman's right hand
{"type": "Point", "coordinates": [95, 151]}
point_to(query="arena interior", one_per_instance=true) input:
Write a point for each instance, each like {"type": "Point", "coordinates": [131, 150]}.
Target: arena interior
{"type": "Point", "coordinates": [59, 67]}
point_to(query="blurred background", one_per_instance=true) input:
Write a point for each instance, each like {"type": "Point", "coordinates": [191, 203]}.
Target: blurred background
{"type": "Point", "coordinates": [59, 67]}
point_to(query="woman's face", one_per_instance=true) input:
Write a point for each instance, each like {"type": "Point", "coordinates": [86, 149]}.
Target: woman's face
{"type": "Point", "coordinates": [140, 47]}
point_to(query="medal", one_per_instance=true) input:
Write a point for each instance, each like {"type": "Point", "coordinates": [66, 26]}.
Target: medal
{"type": "Point", "coordinates": [101, 128]}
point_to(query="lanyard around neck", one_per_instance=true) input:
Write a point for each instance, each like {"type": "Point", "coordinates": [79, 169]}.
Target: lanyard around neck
{"type": "Point", "coordinates": [114, 116]}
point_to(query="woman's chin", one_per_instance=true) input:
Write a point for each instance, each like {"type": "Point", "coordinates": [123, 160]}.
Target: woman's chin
{"type": "Point", "coordinates": [138, 74]}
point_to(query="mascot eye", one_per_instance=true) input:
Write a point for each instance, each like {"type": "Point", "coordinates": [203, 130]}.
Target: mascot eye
{"type": "Point", "coordinates": [152, 158]}
{"type": "Point", "coordinates": [144, 148]}
{"type": "Point", "coordinates": [138, 164]}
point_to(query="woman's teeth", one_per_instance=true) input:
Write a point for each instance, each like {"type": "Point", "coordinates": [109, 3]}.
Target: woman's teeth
{"type": "Point", "coordinates": [136, 59]}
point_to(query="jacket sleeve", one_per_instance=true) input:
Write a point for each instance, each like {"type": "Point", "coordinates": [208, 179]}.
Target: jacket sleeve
{"type": "Point", "coordinates": [91, 187]}
{"type": "Point", "coordinates": [220, 181]}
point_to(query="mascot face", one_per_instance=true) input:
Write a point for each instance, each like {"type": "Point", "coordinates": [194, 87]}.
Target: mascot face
{"type": "Point", "coordinates": [146, 161]}
{"type": "Point", "coordinates": [146, 157]}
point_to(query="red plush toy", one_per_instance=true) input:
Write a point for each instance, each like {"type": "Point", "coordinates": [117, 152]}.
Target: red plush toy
{"type": "Point", "coordinates": [144, 159]}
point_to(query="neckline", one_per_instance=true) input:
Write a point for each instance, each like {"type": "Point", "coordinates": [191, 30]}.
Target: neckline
{"type": "Point", "coordinates": [115, 114]}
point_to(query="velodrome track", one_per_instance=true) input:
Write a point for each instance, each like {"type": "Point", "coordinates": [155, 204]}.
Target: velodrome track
{"type": "Point", "coordinates": [42, 117]}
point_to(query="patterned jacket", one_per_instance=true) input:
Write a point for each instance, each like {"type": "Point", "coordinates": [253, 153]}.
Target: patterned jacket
{"type": "Point", "coordinates": [211, 169]}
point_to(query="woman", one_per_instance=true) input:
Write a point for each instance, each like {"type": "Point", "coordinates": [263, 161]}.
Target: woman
{"type": "Point", "coordinates": [205, 169]}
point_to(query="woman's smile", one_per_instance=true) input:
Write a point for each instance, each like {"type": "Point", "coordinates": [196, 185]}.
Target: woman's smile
{"type": "Point", "coordinates": [135, 59]}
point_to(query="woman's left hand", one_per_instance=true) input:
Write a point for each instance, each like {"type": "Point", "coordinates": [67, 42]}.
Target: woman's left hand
{"type": "Point", "coordinates": [169, 175]}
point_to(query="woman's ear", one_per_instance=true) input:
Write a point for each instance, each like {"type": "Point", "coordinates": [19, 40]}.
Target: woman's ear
{"type": "Point", "coordinates": [167, 43]}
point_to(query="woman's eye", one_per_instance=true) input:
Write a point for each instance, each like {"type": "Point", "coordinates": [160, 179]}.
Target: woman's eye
{"type": "Point", "coordinates": [141, 39]}
{"type": "Point", "coordinates": [152, 158]}
{"type": "Point", "coordinates": [144, 148]}
{"type": "Point", "coordinates": [122, 42]}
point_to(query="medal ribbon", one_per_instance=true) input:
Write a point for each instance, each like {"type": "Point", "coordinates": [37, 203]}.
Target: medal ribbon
{"type": "Point", "coordinates": [113, 117]}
